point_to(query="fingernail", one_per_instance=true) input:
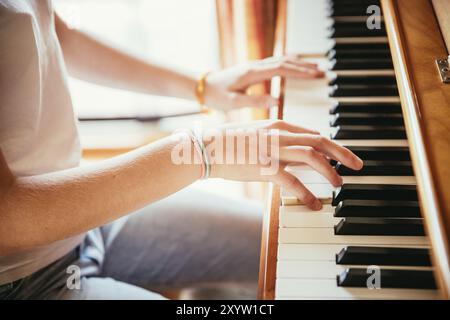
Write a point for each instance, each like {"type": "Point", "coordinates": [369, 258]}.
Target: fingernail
{"type": "Point", "coordinates": [317, 205]}
{"type": "Point", "coordinates": [359, 163]}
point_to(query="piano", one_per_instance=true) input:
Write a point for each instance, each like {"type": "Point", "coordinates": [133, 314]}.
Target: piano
{"type": "Point", "coordinates": [386, 97]}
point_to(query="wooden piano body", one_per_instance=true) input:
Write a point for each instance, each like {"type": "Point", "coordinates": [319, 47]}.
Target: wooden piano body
{"type": "Point", "coordinates": [418, 33]}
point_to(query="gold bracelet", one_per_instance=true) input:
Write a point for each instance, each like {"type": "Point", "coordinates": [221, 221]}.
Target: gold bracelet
{"type": "Point", "coordinates": [200, 88]}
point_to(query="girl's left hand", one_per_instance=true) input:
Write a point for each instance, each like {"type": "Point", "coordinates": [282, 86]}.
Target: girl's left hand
{"type": "Point", "coordinates": [226, 89]}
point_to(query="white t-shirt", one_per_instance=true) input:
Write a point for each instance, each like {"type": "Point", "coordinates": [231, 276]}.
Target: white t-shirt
{"type": "Point", "coordinates": [38, 132]}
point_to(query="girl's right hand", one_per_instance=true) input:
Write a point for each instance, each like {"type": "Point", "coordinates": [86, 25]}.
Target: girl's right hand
{"type": "Point", "coordinates": [261, 150]}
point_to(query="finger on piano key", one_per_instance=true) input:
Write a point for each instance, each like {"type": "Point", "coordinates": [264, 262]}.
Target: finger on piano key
{"type": "Point", "coordinates": [377, 168]}
{"type": "Point", "coordinates": [382, 153]}
{"type": "Point", "coordinates": [323, 192]}
{"type": "Point", "coordinates": [301, 216]}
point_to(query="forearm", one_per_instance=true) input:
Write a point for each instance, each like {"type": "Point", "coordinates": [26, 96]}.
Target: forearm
{"type": "Point", "coordinates": [41, 209]}
{"type": "Point", "coordinates": [91, 60]}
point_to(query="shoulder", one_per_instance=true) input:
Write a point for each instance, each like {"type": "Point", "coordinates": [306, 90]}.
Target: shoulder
{"type": "Point", "coordinates": [17, 15]}
{"type": "Point", "coordinates": [12, 8]}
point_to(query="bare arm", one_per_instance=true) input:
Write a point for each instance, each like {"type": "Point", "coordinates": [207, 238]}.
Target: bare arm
{"type": "Point", "coordinates": [92, 60]}
{"type": "Point", "coordinates": [41, 209]}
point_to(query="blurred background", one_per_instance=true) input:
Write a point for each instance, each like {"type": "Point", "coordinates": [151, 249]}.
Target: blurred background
{"type": "Point", "coordinates": [149, 29]}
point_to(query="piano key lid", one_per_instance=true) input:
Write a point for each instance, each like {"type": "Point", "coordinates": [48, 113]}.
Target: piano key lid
{"type": "Point", "coordinates": [444, 69]}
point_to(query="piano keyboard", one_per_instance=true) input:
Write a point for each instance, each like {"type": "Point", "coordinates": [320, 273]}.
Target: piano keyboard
{"type": "Point", "coordinates": [374, 218]}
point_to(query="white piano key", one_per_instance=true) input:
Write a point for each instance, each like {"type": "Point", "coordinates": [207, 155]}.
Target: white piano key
{"type": "Point", "coordinates": [323, 192]}
{"type": "Point", "coordinates": [307, 28]}
{"type": "Point", "coordinates": [320, 252]}
{"type": "Point", "coordinates": [328, 289]}
{"type": "Point", "coordinates": [327, 236]}
{"type": "Point", "coordinates": [325, 269]}
{"type": "Point", "coordinates": [301, 216]}
{"type": "Point", "coordinates": [352, 19]}
{"type": "Point", "coordinates": [381, 180]}
{"type": "Point", "coordinates": [356, 40]}
{"type": "Point", "coordinates": [367, 99]}
{"type": "Point", "coordinates": [307, 252]}
{"type": "Point", "coordinates": [308, 270]}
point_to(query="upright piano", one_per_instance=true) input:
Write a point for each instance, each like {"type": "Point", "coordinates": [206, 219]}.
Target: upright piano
{"type": "Point", "coordinates": [387, 98]}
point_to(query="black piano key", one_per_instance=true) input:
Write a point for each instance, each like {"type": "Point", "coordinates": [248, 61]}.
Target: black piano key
{"type": "Point", "coordinates": [361, 90]}
{"type": "Point", "coordinates": [353, 2]}
{"type": "Point", "coordinates": [361, 53]}
{"type": "Point", "coordinates": [372, 108]}
{"type": "Point", "coordinates": [348, 11]}
{"type": "Point", "coordinates": [336, 32]}
{"type": "Point", "coordinates": [381, 153]}
{"type": "Point", "coordinates": [361, 64]}
{"type": "Point", "coordinates": [367, 119]}
{"type": "Point", "coordinates": [377, 209]}
{"type": "Point", "coordinates": [362, 45]}
{"type": "Point", "coordinates": [369, 132]}
{"type": "Point", "coordinates": [402, 279]}
{"type": "Point", "coordinates": [378, 168]}
{"type": "Point", "coordinates": [384, 256]}
{"type": "Point", "coordinates": [336, 23]}
{"type": "Point", "coordinates": [374, 192]}
{"type": "Point", "coordinates": [379, 227]}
